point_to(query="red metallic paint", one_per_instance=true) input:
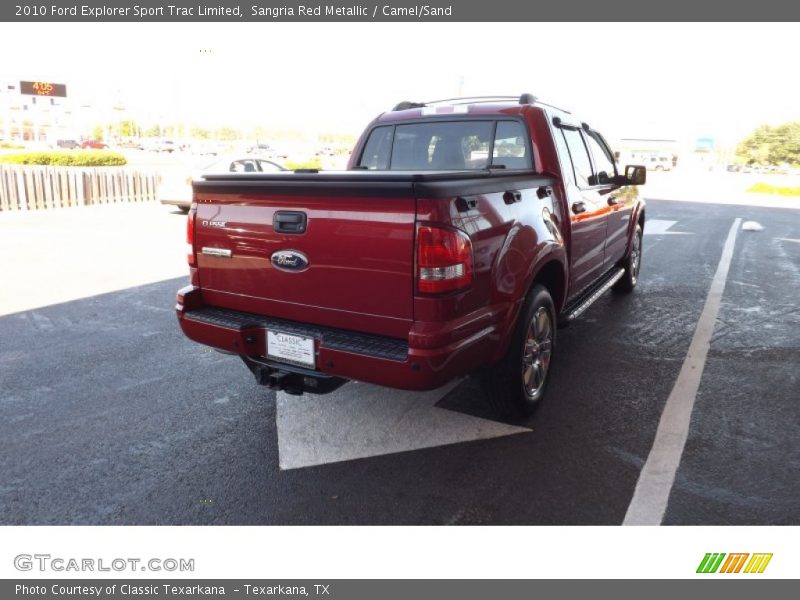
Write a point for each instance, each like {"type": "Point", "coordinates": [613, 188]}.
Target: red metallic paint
{"type": "Point", "coordinates": [361, 255]}
{"type": "Point", "coordinates": [349, 242]}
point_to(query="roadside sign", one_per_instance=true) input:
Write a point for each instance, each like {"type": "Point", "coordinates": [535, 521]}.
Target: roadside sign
{"type": "Point", "coordinates": [43, 88]}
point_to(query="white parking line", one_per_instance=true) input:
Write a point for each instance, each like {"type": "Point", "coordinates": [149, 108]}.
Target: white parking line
{"type": "Point", "coordinates": [649, 502]}
{"type": "Point", "coordinates": [661, 227]}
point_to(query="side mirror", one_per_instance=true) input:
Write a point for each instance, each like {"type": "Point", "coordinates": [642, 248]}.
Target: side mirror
{"type": "Point", "coordinates": [635, 175]}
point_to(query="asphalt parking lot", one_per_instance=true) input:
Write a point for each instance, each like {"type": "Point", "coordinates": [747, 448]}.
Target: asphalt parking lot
{"type": "Point", "coordinates": [108, 415]}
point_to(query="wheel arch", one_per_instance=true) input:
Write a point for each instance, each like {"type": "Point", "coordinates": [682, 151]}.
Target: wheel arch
{"type": "Point", "coordinates": [638, 219]}
{"type": "Point", "coordinates": [551, 273]}
{"type": "Point", "coordinates": [552, 276]}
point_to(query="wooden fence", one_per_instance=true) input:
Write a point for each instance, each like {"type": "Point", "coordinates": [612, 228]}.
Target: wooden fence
{"type": "Point", "coordinates": [36, 188]}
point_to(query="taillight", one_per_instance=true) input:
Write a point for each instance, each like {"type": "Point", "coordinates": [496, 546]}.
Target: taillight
{"type": "Point", "coordinates": [190, 235]}
{"type": "Point", "coordinates": [444, 259]}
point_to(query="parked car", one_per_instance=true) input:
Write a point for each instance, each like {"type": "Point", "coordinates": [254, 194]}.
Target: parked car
{"type": "Point", "coordinates": [325, 151]}
{"type": "Point", "coordinates": [266, 150]}
{"type": "Point", "coordinates": [658, 163]}
{"type": "Point", "coordinates": [94, 144]}
{"type": "Point", "coordinates": [68, 144]}
{"type": "Point", "coordinates": [130, 145]}
{"type": "Point", "coordinates": [263, 149]}
{"type": "Point", "coordinates": [432, 257]}
{"type": "Point", "coordinates": [206, 148]}
{"type": "Point", "coordinates": [162, 146]}
{"type": "Point", "coordinates": [178, 192]}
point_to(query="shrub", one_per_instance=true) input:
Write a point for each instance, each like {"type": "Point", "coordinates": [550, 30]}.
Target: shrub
{"type": "Point", "coordinates": [11, 146]}
{"type": "Point", "coordinates": [313, 163]}
{"type": "Point", "coordinates": [767, 188]}
{"type": "Point", "coordinates": [92, 158]}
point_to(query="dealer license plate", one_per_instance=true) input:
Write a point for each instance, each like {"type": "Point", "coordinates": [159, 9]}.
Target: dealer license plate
{"type": "Point", "coordinates": [293, 349]}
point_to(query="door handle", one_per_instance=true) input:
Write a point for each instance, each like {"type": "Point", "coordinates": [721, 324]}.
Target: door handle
{"type": "Point", "coordinates": [578, 207]}
{"type": "Point", "coordinates": [512, 196]}
{"type": "Point", "coordinates": [285, 221]}
{"type": "Point", "coordinates": [613, 200]}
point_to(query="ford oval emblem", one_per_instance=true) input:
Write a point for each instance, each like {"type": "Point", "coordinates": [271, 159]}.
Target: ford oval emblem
{"type": "Point", "coordinates": [289, 260]}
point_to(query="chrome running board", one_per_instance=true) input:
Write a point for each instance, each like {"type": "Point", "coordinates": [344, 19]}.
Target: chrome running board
{"type": "Point", "coordinates": [585, 300]}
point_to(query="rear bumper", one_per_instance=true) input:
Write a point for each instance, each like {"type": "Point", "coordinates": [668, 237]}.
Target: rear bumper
{"type": "Point", "coordinates": [339, 353]}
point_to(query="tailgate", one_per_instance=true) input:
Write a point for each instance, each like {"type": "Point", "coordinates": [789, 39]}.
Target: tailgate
{"type": "Point", "coordinates": [338, 260]}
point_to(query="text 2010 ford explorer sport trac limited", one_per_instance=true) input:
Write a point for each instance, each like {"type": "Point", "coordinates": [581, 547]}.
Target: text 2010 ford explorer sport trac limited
{"type": "Point", "coordinates": [461, 234]}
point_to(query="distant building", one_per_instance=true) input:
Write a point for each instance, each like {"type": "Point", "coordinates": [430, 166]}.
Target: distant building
{"type": "Point", "coordinates": [633, 150]}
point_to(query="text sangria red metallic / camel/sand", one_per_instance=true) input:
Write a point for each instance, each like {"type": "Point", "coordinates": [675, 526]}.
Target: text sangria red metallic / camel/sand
{"type": "Point", "coordinates": [463, 232]}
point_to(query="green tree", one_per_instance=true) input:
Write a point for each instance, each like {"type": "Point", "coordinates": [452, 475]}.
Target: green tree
{"type": "Point", "coordinates": [98, 132]}
{"type": "Point", "coordinates": [227, 134]}
{"type": "Point", "coordinates": [200, 133]}
{"type": "Point", "coordinates": [772, 145]}
{"type": "Point", "coordinates": [337, 138]}
{"type": "Point", "coordinates": [128, 128]}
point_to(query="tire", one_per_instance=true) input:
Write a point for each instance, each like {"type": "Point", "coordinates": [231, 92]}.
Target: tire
{"type": "Point", "coordinates": [515, 385]}
{"type": "Point", "coordinates": [632, 264]}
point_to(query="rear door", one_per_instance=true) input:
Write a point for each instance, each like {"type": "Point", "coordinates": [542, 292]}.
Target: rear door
{"type": "Point", "coordinates": [588, 209]}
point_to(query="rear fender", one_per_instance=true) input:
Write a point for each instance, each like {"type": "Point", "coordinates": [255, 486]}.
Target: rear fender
{"type": "Point", "coordinates": [549, 267]}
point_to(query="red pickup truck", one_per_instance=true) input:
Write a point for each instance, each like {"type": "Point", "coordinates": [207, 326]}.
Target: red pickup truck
{"type": "Point", "coordinates": [462, 233]}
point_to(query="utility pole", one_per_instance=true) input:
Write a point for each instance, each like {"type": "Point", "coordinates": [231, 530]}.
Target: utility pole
{"type": "Point", "coordinates": [9, 102]}
{"type": "Point", "coordinates": [5, 105]}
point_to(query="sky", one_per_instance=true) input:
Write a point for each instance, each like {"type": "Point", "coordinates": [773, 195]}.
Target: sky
{"type": "Point", "coordinates": [661, 80]}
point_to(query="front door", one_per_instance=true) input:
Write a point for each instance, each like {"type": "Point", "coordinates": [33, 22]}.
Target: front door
{"type": "Point", "coordinates": [588, 210]}
{"type": "Point", "coordinates": [620, 204]}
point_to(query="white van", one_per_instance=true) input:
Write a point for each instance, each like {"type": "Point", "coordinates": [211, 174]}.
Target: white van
{"type": "Point", "coordinates": [657, 163]}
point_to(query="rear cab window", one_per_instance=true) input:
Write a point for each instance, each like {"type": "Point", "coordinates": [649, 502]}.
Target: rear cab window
{"type": "Point", "coordinates": [377, 149]}
{"type": "Point", "coordinates": [510, 147]}
{"type": "Point", "coordinates": [444, 145]}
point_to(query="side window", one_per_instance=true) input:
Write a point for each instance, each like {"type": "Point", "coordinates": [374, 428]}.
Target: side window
{"type": "Point", "coordinates": [268, 167]}
{"type": "Point", "coordinates": [377, 149]}
{"type": "Point", "coordinates": [604, 165]}
{"type": "Point", "coordinates": [580, 157]}
{"type": "Point", "coordinates": [241, 166]}
{"type": "Point", "coordinates": [563, 153]}
{"type": "Point", "coordinates": [510, 149]}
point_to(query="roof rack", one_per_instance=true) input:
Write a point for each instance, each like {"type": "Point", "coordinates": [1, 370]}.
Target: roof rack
{"type": "Point", "coordinates": [523, 99]}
